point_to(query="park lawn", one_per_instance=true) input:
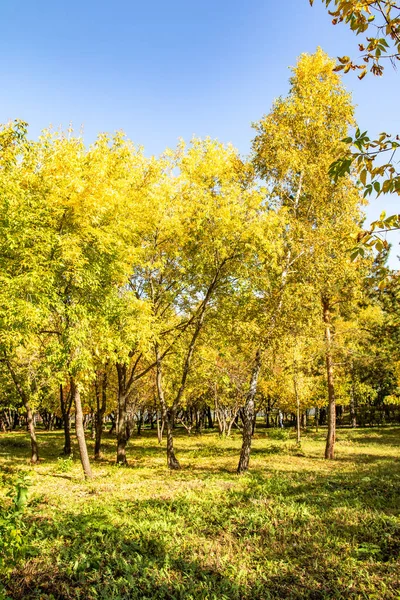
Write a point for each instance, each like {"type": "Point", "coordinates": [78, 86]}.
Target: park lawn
{"type": "Point", "coordinates": [296, 526]}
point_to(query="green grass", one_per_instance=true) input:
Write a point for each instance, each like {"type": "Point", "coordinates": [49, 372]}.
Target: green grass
{"type": "Point", "coordinates": [296, 526]}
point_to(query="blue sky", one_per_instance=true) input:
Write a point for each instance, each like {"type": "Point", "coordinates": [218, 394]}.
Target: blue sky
{"type": "Point", "coordinates": [164, 70]}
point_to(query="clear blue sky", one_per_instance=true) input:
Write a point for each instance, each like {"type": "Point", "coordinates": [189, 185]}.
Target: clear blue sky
{"type": "Point", "coordinates": [164, 70]}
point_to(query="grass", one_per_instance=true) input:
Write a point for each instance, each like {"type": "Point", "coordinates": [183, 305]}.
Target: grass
{"type": "Point", "coordinates": [296, 526]}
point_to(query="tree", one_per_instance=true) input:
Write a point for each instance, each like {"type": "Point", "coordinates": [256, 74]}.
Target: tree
{"type": "Point", "coordinates": [76, 204]}
{"type": "Point", "coordinates": [204, 226]}
{"type": "Point", "coordinates": [24, 246]}
{"type": "Point", "coordinates": [294, 146]}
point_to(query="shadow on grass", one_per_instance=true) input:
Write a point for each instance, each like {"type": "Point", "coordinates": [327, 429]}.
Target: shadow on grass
{"type": "Point", "coordinates": [238, 549]}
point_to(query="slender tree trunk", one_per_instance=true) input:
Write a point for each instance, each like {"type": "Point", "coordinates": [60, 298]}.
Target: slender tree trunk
{"type": "Point", "coordinates": [99, 419]}
{"type": "Point", "coordinates": [160, 427]}
{"type": "Point", "coordinates": [8, 419]}
{"type": "Point", "coordinates": [80, 432]}
{"type": "Point", "coordinates": [113, 423]}
{"type": "Point", "coordinates": [66, 409]}
{"type": "Point", "coordinates": [229, 422]}
{"type": "Point", "coordinates": [298, 433]}
{"type": "Point", "coordinates": [210, 419]}
{"type": "Point", "coordinates": [15, 420]}
{"type": "Point", "coordinates": [316, 418]}
{"type": "Point", "coordinates": [253, 427]}
{"type": "Point", "coordinates": [172, 461]}
{"type": "Point", "coordinates": [122, 432]}
{"type": "Point", "coordinates": [221, 428]}
{"type": "Point", "coordinates": [139, 422]}
{"type": "Point", "coordinates": [122, 421]}
{"type": "Point", "coordinates": [353, 418]}
{"type": "Point", "coordinates": [199, 421]}
{"type": "Point", "coordinates": [331, 436]}
{"type": "Point", "coordinates": [248, 416]}
{"type": "Point", "coordinates": [126, 379]}
{"type": "Point", "coordinates": [92, 426]}
{"type": "Point", "coordinates": [219, 415]}
{"type": "Point", "coordinates": [268, 413]}
{"type": "Point", "coordinates": [32, 434]}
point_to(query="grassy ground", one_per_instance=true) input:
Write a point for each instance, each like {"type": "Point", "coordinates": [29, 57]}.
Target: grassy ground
{"type": "Point", "coordinates": [297, 526]}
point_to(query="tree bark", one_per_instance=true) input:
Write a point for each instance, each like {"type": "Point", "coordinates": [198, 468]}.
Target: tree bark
{"type": "Point", "coordinates": [123, 392]}
{"type": "Point", "coordinates": [99, 418]}
{"type": "Point", "coordinates": [298, 432]}
{"type": "Point", "coordinates": [353, 418]}
{"type": "Point", "coordinates": [113, 423]}
{"type": "Point", "coordinates": [66, 410]}
{"type": "Point", "coordinates": [139, 422]}
{"type": "Point", "coordinates": [32, 434]}
{"type": "Point", "coordinates": [248, 416]}
{"type": "Point", "coordinates": [210, 418]}
{"type": "Point", "coordinates": [172, 461]}
{"type": "Point", "coordinates": [126, 379]}
{"type": "Point", "coordinates": [160, 427]}
{"type": "Point", "coordinates": [80, 432]}
{"type": "Point", "coordinates": [331, 436]}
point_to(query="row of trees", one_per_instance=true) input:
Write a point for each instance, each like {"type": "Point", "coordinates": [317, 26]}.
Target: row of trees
{"type": "Point", "coordinates": [193, 277]}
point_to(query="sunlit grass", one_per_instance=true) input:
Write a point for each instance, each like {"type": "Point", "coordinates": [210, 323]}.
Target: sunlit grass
{"type": "Point", "coordinates": [296, 526]}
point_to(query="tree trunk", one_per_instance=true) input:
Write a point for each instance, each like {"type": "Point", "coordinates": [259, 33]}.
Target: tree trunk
{"type": "Point", "coordinates": [339, 414]}
{"type": "Point", "coordinates": [113, 423]}
{"type": "Point", "coordinates": [139, 422]}
{"type": "Point", "coordinates": [99, 418]}
{"type": "Point", "coordinates": [80, 432]}
{"type": "Point", "coordinates": [122, 421]}
{"type": "Point", "coordinates": [210, 418]}
{"type": "Point", "coordinates": [15, 420]}
{"type": "Point", "coordinates": [172, 461]}
{"type": "Point", "coordinates": [298, 439]}
{"type": "Point", "coordinates": [353, 419]}
{"type": "Point", "coordinates": [253, 427]}
{"type": "Point", "coordinates": [228, 423]}
{"type": "Point", "coordinates": [218, 413]}
{"type": "Point", "coordinates": [160, 427]}
{"type": "Point", "coordinates": [199, 421]}
{"type": "Point", "coordinates": [92, 426]}
{"type": "Point", "coordinates": [122, 432]}
{"type": "Point", "coordinates": [268, 413]}
{"type": "Point", "coordinates": [8, 419]}
{"type": "Point", "coordinates": [248, 416]}
{"type": "Point", "coordinates": [32, 434]}
{"type": "Point", "coordinates": [331, 436]}
{"type": "Point", "coordinates": [66, 409]}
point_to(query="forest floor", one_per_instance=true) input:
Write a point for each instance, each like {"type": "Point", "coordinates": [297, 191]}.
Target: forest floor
{"type": "Point", "coordinates": [295, 526]}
